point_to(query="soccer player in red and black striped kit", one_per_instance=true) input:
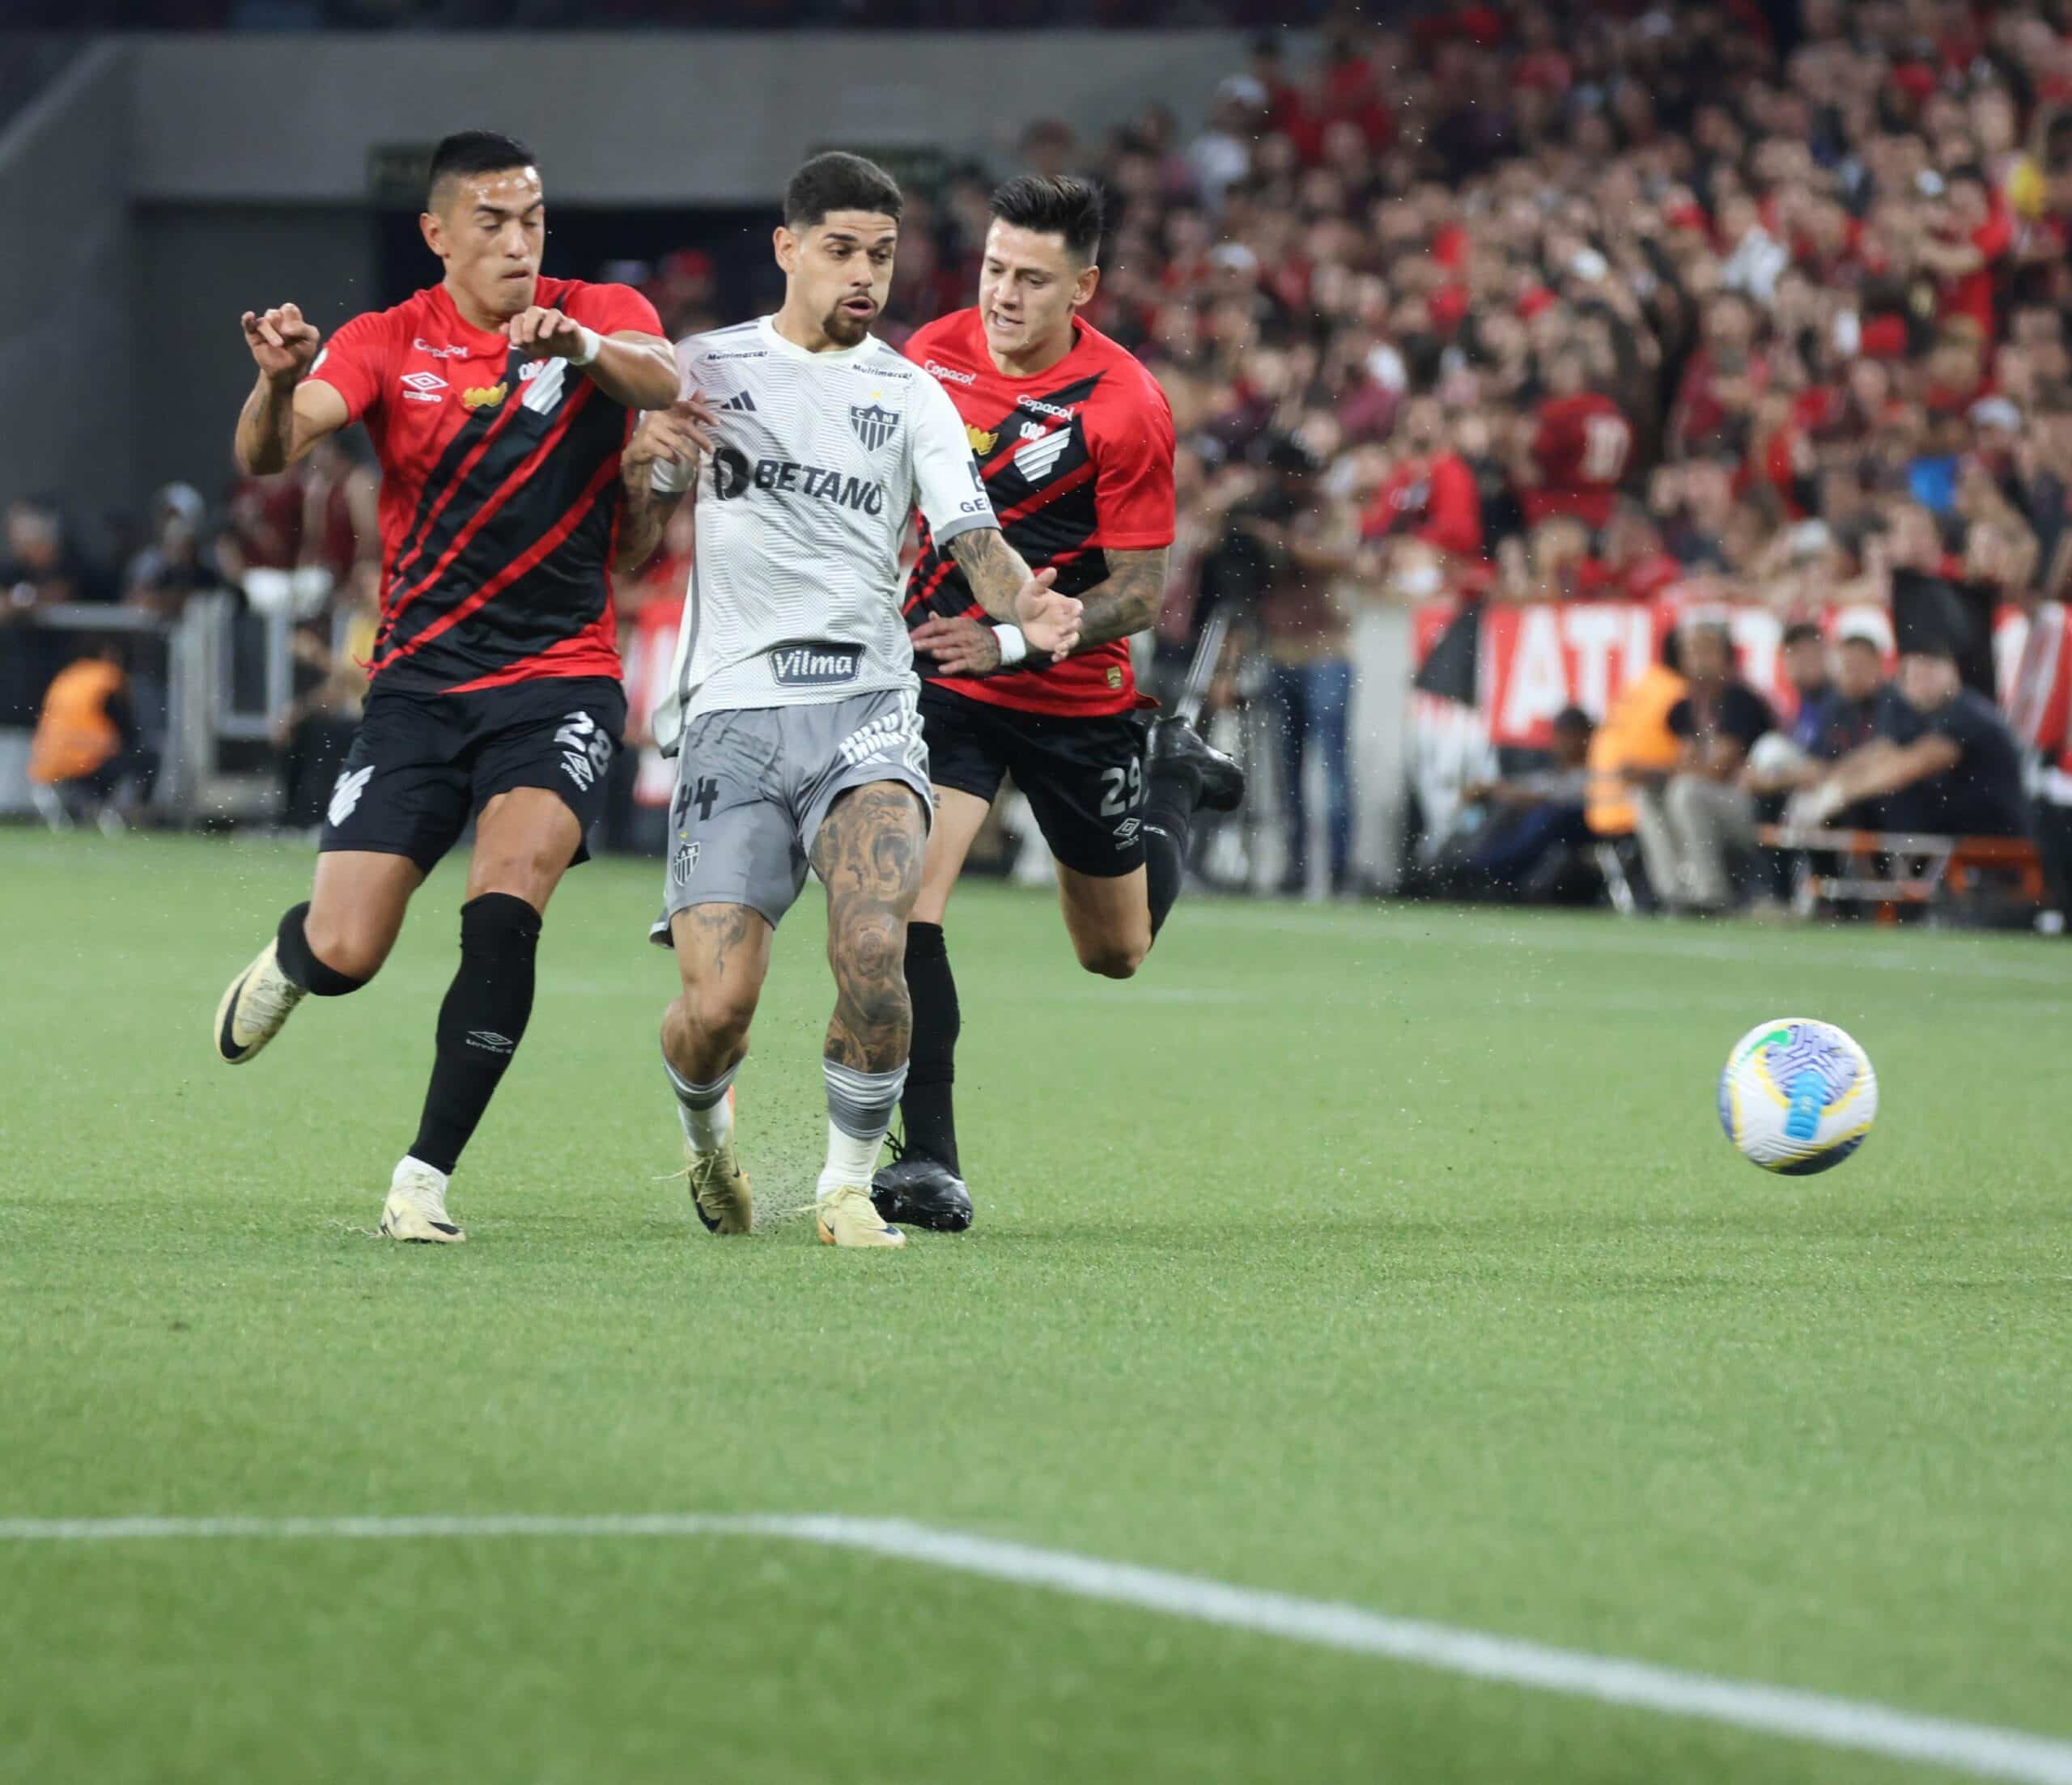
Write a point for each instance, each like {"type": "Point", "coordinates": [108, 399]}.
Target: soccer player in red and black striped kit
{"type": "Point", "coordinates": [1074, 440]}
{"type": "Point", "coordinates": [499, 402]}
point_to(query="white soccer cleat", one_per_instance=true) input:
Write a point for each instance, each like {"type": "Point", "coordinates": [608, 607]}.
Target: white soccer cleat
{"type": "Point", "coordinates": [255, 1009]}
{"type": "Point", "coordinates": [416, 1208]}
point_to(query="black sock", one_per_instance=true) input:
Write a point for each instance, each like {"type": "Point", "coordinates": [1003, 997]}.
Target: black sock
{"type": "Point", "coordinates": [480, 1024]}
{"type": "Point", "coordinates": [1169, 817]}
{"type": "Point", "coordinates": [291, 949]}
{"type": "Point", "coordinates": [931, 1117]}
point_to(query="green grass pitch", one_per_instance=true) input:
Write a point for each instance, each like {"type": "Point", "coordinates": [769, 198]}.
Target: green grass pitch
{"type": "Point", "coordinates": [1389, 1255]}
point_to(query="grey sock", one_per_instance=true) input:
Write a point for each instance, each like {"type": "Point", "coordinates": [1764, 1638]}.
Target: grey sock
{"type": "Point", "coordinates": [698, 1096]}
{"type": "Point", "coordinates": [861, 1103]}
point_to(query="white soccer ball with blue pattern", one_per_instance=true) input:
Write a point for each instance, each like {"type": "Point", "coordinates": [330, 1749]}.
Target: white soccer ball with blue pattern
{"type": "Point", "coordinates": [1797, 1095]}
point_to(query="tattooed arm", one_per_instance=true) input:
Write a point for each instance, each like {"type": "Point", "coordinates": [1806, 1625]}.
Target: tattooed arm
{"type": "Point", "coordinates": [679, 435]}
{"type": "Point", "coordinates": [1006, 588]}
{"type": "Point", "coordinates": [1125, 602]}
{"type": "Point", "coordinates": [641, 524]}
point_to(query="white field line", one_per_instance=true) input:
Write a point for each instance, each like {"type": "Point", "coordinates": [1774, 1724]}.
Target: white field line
{"type": "Point", "coordinates": [1980, 1749]}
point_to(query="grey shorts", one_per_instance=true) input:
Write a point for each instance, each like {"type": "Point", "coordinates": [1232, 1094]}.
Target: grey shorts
{"type": "Point", "coordinates": [753, 786]}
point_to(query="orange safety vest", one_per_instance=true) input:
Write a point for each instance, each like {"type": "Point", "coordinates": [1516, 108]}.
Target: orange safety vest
{"type": "Point", "coordinates": [74, 735]}
{"type": "Point", "coordinates": [1635, 734]}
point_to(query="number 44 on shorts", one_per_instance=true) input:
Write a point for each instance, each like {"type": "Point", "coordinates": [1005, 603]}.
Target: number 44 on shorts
{"type": "Point", "coordinates": [586, 750]}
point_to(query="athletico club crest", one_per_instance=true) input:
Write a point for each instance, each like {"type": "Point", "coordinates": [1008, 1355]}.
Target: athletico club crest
{"type": "Point", "coordinates": [983, 441]}
{"type": "Point", "coordinates": [874, 426]}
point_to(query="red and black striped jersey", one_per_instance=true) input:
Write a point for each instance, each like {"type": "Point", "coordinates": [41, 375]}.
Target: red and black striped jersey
{"type": "Point", "coordinates": [1078, 462]}
{"type": "Point", "coordinates": [499, 490]}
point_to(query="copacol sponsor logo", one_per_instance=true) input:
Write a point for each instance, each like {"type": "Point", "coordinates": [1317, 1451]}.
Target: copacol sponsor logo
{"type": "Point", "coordinates": [814, 666]}
{"type": "Point", "coordinates": [733, 475]}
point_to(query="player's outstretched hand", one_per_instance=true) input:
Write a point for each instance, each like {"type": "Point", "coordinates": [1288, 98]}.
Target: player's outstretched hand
{"type": "Point", "coordinates": [282, 343]}
{"type": "Point", "coordinates": [960, 646]}
{"type": "Point", "coordinates": [1049, 621]}
{"type": "Point", "coordinates": [683, 433]}
{"type": "Point", "coordinates": [545, 334]}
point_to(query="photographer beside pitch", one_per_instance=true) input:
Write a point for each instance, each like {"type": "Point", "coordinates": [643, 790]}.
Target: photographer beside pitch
{"type": "Point", "coordinates": [497, 402]}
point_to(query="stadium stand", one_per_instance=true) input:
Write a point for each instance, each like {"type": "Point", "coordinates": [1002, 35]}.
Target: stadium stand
{"type": "Point", "coordinates": [1588, 320]}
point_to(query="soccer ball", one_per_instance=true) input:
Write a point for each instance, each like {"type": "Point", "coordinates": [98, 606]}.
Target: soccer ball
{"type": "Point", "coordinates": [1797, 1095]}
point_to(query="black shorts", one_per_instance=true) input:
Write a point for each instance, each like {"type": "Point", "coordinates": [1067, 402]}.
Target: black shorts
{"type": "Point", "coordinates": [1083, 777]}
{"type": "Point", "coordinates": [421, 765]}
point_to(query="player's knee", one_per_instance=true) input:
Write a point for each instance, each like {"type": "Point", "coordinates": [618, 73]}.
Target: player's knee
{"type": "Point", "coordinates": [719, 1014]}
{"type": "Point", "coordinates": [355, 948]}
{"type": "Point", "coordinates": [1111, 957]}
{"type": "Point", "coordinates": [867, 949]}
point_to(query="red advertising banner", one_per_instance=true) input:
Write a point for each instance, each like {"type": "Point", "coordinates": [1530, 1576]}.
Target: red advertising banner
{"type": "Point", "coordinates": [1534, 660]}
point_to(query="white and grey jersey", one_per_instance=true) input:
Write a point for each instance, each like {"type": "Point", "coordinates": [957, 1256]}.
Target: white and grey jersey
{"type": "Point", "coordinates": [801, 512]}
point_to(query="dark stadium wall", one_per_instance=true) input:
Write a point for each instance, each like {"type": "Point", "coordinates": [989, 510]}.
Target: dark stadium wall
{"type": "Point", "coordinates": [67, 364]}
{"type": "Point", "coordinates": [199, 267]}
{"type": "Point", "coordinates": [714, 118]}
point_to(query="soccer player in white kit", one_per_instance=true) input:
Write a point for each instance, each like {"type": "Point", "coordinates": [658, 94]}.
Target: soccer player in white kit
{"type": "Point", "coordinates": [793, 713]}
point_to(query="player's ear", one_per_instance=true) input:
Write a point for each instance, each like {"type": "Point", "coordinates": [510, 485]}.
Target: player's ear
{"type": "Point", "coordinates": [1083, 288]}
{"type": "Point", "coordinates": [435, 238]}
{"type": "Point", "coordinates": [787, 246]}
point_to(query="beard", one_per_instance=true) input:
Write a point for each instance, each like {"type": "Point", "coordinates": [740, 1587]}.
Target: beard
{"type": "Point", "coordinates": [843, 329]}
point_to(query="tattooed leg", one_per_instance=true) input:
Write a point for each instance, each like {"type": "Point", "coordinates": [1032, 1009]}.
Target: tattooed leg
{"type": "Point", "coordinates": [869, 853]}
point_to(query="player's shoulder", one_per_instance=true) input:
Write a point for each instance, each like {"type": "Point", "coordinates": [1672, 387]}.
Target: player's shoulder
{"type": "Point", "coordinates": [1126, 389]}
{"type": "Point", "coordinates": [617, 307]}
{"type": "Point", "coordinates": [405, 321]}
{"type": "Point", "coordinates": [885, 362]}
{"type": "Point", "coordinates": [947, 343]}
{"type": "Point", "coordinates": [712, 346]}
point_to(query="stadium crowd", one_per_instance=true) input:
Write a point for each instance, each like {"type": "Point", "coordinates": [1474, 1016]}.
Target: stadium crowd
{"type": "Point", "coordinates": [1703, 304]}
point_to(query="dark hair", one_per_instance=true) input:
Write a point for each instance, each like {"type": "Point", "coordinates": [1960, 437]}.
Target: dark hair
{"type": "Point", "coordinates": [1054, 205]}
{"type": "Point", "coordinates": [474, 151]}
{"type": "Point", "coordinates": [838, 181]}
{"type": "Point", "coordinates": [1573, 718]}
{"type": "Point", "coordinates": [1800, 631]}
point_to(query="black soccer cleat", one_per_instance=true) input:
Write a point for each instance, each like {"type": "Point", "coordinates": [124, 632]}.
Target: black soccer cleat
{"type": "Point", "coordinates": [1174, 741]}
{"type": "Point", "coordinates": [916, 1192]}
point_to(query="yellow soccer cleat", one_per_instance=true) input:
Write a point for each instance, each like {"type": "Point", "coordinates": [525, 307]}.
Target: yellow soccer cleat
{"type": "Point", "coordinates": [720, 1193]}
{"type": "Point", "coordinates": [848, 1216]}
{"type": "Point", "coordinates": [255, 1009]}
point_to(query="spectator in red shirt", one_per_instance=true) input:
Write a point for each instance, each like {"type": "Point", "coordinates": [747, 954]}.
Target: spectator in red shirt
{"type": "Point", "coordinates": [1635, 567]}
{"type": "Point", "coordinates": [1720, 383]}
{"type": "Point", "coordinates": [1579, 449]}
{"type": "Point", "coordinates": [1968, 250]}
{"type": "Point", "coordinates": [1430, 494]}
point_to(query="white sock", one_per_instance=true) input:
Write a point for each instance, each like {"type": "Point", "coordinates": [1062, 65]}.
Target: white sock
{"type": "Point", "coordinates": [710, 1128]}
{"type": "Point", "coordinates": [706, 1110]}
{"type": "Point", "coordinates": [850, 1161]}
{"type": "Point", "coordinates": [410, 1166]}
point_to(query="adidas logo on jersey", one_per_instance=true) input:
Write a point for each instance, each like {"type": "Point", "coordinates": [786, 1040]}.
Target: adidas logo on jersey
{"type": "Point", "coordinates": [741, 402]}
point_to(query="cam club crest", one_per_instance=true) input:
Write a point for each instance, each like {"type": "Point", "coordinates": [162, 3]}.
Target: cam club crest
{"type": "Point", "coordinates": [874, 425]}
